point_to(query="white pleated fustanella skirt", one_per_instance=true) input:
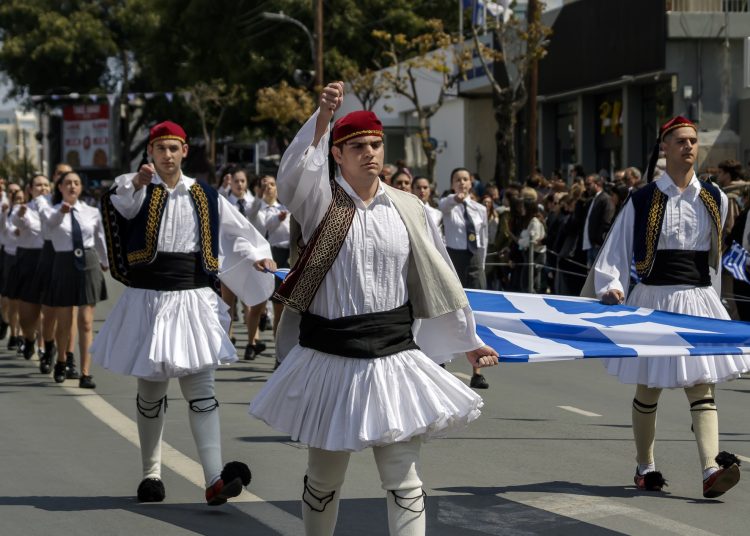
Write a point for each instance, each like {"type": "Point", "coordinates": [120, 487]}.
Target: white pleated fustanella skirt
{"type": "Point", "coordinates": [678, 371]}
{"type": "Point", "coordinates": [347, 404]}
{"type": "Point", "coordinates": [156, 335]}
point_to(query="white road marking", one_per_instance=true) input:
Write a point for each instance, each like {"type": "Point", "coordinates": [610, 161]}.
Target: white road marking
{"type": "Point", "coordinates": [743, 458]}
{"type": "Point", "coordinates": [275, 518]}
{"type": "Point", "coordinates": [591, 508]}
{"type": "Point", "coordinates": [462, 376]}
{"type": "Point", "coordinates": [579, 411]}
{"type": "Point", "coordinates": [587, 508]}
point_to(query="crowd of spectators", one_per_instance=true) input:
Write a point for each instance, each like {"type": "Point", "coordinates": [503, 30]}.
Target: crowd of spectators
{"type": "Point", "coordinates": [544, 233]}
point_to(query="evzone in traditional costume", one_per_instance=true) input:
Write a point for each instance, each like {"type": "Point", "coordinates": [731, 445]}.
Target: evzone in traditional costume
{"type": "Point", "coordinates": [671, 229]}
{"type": "Point", "coordinates": [170, 240]}
{"type": "Point", "coordinates": [371, 296]}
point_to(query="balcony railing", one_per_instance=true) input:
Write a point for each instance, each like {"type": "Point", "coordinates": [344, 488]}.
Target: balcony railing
{"type": "Point", "coordinates": [708, 6]}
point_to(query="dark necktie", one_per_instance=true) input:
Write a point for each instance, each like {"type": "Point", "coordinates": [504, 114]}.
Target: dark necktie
{"type": "Point", "coordinates": [78, 260]}
{"type": "Point", "coordinates": [471, 232]}
{"type": "Point", "coordinates": [241, 206]}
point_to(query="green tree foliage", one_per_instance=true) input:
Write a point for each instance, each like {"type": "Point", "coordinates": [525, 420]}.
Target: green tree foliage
{"type": "Point", "coordinates": [75, 45]}
{"type": "Point", "coordinates": [130, 46]}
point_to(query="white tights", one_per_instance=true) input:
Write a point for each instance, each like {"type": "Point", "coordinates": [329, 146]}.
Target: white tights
{"type": "Point", "coordinates": [198, 391]}
{"type": "Point", "coordinates": [397, 465]}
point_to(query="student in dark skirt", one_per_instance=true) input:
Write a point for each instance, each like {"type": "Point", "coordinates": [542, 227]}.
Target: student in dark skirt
{"type": "Point", "coordinates": [43, 274]}
{"type": "Point", "coordinates": [77, 235]}
{"type": "Point", "coordinates": [16, 198]}
{"type": "Point", "coordinates": [30, 241]}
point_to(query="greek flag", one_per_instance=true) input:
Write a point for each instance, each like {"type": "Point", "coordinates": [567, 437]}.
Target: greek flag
{"type": "Point", "coordinates": [281, 273]}
{"type": "Point", "coordinates": [481, 8]}
{"type": "Point", "coordinates": [538, 327]}
{"type": "Point", "coordinates": [735, 260]}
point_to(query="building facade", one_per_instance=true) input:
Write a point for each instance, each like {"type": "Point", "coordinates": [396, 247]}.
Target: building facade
{"type": "Point", "coordinates": [614, 72]}
{"type": "Point", "coordinates": [618, 69]}
{"type": "Point", "coordinates": [18, 137]}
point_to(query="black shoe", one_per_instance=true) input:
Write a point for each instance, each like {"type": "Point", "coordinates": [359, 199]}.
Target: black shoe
{"type": "Point", "coordinates": [45, 364]}
{"type": "Point", "coordinates": [59, 374]}
{"type": "Point", "coordinates": [151, 490]}
{"type": "Point", "coordinates": [263, 324]}
{"type": "Point", "coordinates": [234, 340]}
{"type": "Point", "coordinates": [28, 349]}
{"type": "Point", "coordinates": [249, 352]}
{"type": "Point", "coordinates": [3, 329]}
{"type": "Point", "coordinates": [478, 382]}
{"type": "Point", "coordinates": [50, 351]}
{"type": "Point", "coordinates": [21, 348]}
{"type": "Point", "coordinates": [260, 347]}
{"type": "Point", "coordinates": [71, 372]}
{"type": "Point", "coordinates": [13, 343]}
{"type": "Point", "coordinates": [86, 382]}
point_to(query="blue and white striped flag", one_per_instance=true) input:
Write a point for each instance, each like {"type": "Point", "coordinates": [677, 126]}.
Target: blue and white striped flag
{"type": "Point", "coordinates": [634, 277]}
{"type": "Point", "coordinates": [735, 260]}
{"type": "Point", "coordinates": [281, 273]}
{"type": "Point", "coordinates": [537, 327]}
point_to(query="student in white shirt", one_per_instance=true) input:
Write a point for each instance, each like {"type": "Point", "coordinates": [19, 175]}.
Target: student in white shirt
{"type": "Point", "coordinates": [240, 198]}
{"type": "Point", "coordinates": [422, 188]}
{"type": "Point", "coordinates": [466, 232]}
{"type": "Point", "coordinates": [16, 198]}
{"type": "Point", "coordinates": [30, 242]}
{"type": "Point", "coordinates": [80, 256]}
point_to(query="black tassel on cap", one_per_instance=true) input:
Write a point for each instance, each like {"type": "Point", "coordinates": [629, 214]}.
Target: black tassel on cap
{"type": "Point", "coordinates": [652, 162]}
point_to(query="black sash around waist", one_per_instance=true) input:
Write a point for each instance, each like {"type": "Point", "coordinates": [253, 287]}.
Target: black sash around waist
{"type": "Point", "coordinates": [679, 267]}
{"type": "Point", "coordinates": [364, 336]}
{"type": "Point", "coordinates": [171, 271]}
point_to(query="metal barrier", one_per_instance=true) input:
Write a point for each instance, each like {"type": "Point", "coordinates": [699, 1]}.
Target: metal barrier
{"type": "Point", "coordinates": [708, 6]}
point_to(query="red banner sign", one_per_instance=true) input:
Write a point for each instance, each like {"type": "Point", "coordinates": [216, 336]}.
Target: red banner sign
{"type": "Point", "coordinates": [86, 136]}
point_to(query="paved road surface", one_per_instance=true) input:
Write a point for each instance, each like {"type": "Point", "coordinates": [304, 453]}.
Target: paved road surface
{"type": "Point", "coordinates": [551, 455]}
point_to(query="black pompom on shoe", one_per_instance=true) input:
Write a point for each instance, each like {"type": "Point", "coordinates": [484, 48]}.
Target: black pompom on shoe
{"type": "Point", "coordinates": [234, 477]}
{"type": "Point", "coordinates": [234, 470]}
{"type": "Point", "coordinates": [651, 481]}
{"type": "Point", "coordinates": [727, 459]}
{"type": "Point", "coordinates": [151, 490]}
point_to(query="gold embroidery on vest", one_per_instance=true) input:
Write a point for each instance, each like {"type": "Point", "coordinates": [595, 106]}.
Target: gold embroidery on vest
{"type": "Point", "coordinates": [112, 234]}
{"type": "Point", "coordinates": [210, 262]}
{"type": "Point", "coordinates": [653, 229]}
{"type": "Point", "coordinates": [155, 209]}
{"type": "Point", "coordinates": [712, 208]}
{"type": "Point", "coordinates": [334, 228]}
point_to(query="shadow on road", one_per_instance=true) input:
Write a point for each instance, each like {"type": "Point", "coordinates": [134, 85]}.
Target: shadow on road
{"type": "Point", "coordinates": [196, 518]}
{"type": "Point", "coordinates": [568, 488]}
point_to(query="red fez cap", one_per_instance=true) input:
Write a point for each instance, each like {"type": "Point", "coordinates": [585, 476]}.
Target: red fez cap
{"type": "Point", "coordinates": [167, 131]}
{"type": "Point", "coordinates": [674, 123]}
{"type": "Point", "coordinates": [355, 124]}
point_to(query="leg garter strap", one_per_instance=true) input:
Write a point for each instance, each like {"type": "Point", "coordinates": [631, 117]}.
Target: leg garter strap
{"type": "Point", "coordinates": [705, 404]}
{"type": "Point", "coordinates": [640, 407]}
{"type": "Point", "coordinates": [410, 503]}
{"type": "Point", "coordinates": [322, 498]}
{"type": "Point", "coordinates": [210, 404]}
{"type": "Point", "coordinates": [150, 410]}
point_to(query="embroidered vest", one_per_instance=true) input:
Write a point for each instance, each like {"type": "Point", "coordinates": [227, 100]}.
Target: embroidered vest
{"type": "Point", "coordinates": [133, 242]}
{"type": "Point", "coordinates": [433, 286]}
{"type": "Point", "coordinates": [649, 204]}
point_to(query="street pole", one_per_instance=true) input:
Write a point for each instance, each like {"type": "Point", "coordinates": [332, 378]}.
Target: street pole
{"type": "Point", "coordinates": [318, 44]}
{"type": "Point", "coordinates": [533, 18]}
{"type": "Point", "coordinates": [531, 268]}
{"type": "Point", "coordinates": [281, 17]}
